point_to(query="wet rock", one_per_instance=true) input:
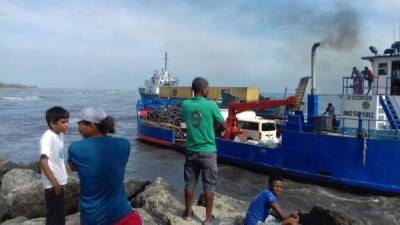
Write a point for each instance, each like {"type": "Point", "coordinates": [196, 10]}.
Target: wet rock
{"type": "Point", "coordinates": [15, 221]}
{"type": "Point", "coordinates": [133, 187]}
{"type": "Point", "coordinates": [16, 178]}
{"type": "Point", "coordinates": [319, 215]}
{"type": "Point", "coordinates": [28, 199]}
{"type": "Point", "coordinates": [159, 201]}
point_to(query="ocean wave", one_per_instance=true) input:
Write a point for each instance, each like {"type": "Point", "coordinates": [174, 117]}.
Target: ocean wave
{"type": "Point", "coordinates": [25, 98]}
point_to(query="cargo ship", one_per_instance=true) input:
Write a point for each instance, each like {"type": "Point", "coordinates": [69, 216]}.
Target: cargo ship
{"type": "Point", "coordinates": [359, 148]}
{"type": "Point", "coordinates": [151, 89]}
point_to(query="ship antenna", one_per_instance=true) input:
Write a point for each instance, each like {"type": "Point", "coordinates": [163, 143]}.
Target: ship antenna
{"type": "Point", "coordinates": [166, 61]}
{"type": "Point", "coordinates": [399, 31]}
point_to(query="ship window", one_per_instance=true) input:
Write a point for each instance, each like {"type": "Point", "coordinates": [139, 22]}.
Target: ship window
{"type": "Point", "coordinates": [382, 68]}
{"type": "Point", "coordinates": [380, 111]}
{"type": "Point", "coordinates": [174, 92]}
{"type": "Point", "coordinates": [381, 117]}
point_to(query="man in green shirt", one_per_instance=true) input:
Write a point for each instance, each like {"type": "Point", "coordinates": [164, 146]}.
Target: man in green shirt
{"type": "Point", "coordinates": [199, 115]}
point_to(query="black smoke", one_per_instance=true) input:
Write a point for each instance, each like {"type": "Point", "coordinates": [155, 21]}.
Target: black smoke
{"type": "Point", "coordinates": [341, 30]}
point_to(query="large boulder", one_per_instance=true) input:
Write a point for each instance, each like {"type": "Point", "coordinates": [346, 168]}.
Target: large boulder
{"type": "Point", "coordinates": [16, 178]}
{"type": "Point", "coordinates": [319, 215]}
{"type": "Point", "coordinates": [5, 166]}
{"type": "Point", "coordinates": [28, 199]}
{"type": "Point", "coordinates": [158, 200]}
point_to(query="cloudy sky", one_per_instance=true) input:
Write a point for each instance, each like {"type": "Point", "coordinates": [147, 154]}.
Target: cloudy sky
{"type": "Point", "coordinates": [118, 44]}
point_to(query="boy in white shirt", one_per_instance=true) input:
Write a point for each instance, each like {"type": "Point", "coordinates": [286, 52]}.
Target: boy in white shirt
{"type": "Point", "coordinates": [54, 174]}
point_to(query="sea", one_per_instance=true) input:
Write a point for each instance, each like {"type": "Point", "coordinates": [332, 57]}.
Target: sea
{"type": "Point", "coordinates": [22, 122]}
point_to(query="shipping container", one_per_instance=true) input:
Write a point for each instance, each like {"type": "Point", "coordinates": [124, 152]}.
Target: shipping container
{"type": "Point", "coordinates": [245, 94]}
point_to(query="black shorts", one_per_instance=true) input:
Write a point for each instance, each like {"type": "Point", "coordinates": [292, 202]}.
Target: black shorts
{"type": "Point", "coordinates": [204, 163]}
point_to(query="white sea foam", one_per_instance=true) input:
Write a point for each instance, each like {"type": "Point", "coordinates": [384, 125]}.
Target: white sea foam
{"type": "Point", "coordinates": [25, 98]}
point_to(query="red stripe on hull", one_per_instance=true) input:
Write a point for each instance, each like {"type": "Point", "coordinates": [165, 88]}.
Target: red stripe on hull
{"type": "Point", "coordinates": [154, 140]}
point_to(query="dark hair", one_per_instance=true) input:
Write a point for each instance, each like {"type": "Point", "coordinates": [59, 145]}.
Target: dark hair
{"type": "Point", "coordinates": [56, 113]}
{"type": "Point", "coordinates": [106, 126]}
{"type": "Point", "coordinates": [199, 84]}
{"type": "Point", "coordinates": [273, 178]}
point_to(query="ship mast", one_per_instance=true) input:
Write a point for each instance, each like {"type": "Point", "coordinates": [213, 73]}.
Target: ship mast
{"type": "Point", "coordinates": [165, 61]}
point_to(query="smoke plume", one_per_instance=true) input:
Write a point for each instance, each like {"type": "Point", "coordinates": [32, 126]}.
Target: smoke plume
{"type": "Point", "coordinates": [341, 30]}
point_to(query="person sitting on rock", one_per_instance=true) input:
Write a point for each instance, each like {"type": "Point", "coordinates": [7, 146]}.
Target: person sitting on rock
{"type": "Point", "coordinates": [259, 211]}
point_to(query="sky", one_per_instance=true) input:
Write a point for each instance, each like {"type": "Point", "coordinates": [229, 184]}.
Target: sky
{"type": "Point", "coordinates": [118, 44]}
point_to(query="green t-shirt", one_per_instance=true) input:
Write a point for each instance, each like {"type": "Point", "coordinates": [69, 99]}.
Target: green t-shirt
{"type": "Point", "coordinates": [199, 115]}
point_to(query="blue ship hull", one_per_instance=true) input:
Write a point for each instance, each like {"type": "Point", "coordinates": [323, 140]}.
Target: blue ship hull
{"type": "Point", "coordinates": [334, 159]}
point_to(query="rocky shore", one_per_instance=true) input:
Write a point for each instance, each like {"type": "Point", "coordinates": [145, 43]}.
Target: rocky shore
{"type": "Point", "coordinates": [22, 202]}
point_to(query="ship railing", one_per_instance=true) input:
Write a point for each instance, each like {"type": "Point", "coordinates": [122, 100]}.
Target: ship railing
{"type": "Point", "coordinates": [344, 126]}
{"type": "Point", "coordinates": [380, 86]}
{"type": "Point", "coordinates": [395, 105]}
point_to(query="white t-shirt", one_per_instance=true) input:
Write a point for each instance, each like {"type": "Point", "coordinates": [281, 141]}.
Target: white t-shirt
{"type": "Point", "coordinates": [52, 145]}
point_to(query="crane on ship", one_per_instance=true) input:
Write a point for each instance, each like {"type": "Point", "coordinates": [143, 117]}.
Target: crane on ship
{"type": "Point", "coordinates": [292, 102]}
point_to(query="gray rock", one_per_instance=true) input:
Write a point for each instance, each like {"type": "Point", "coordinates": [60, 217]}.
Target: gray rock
{"type": "Point", "coordinates": [3, 207]}
{"type": "Point", "coordinates": [72, 190]}
{"type": "Point", "coordinates": [319, 215]}
{"type": "Point", "coordinates": [35, 166]}
{"type": "Point", "coordinates": [28, 199]}
{"type": "Point", "coordinates": [73, 219]}
{"type": "Point", "coordinates": [16, 178]}
{"type": "Point", "coordinates": [5, 166]}
{"type": "Point", "coordinates": [147, 219]}
{"type": "Point", "coordinates": [133, 187]}
{"type": "Point", "coordinates": [157, 199]}
{"type": "Point", "coordinates": [15, 221]}
{"type": "Point", "coordinates": [37, 221]}
{"type": "Point", "coordinates": [70, 220]}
